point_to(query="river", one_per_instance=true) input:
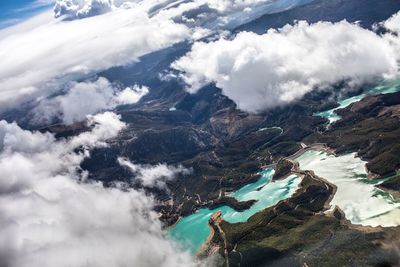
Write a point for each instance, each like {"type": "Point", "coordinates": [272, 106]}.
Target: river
{"type": "Point", "coordinates": [384, 87]}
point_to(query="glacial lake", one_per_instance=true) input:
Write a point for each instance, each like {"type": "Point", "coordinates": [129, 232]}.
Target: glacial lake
{"type": "Point", "coordinates": [192, 231]}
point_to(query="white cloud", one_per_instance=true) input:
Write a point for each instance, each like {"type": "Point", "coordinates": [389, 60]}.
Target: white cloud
{"type": "Point", "coordinates": [50, 216]}
{"type": "Point", "coordinates": [42, 54]}
{"type": "Point", "coordinates": [106, 125]}
{"type": "Point", "coordinates": [82, 8]}
{"type": "Point", "coordinates": [35, 5]}
{"type": "Point", "coordinates": [154, 175]}
{"type": "Point", "coordinates": [9, 22]}
{"type": "Point", "coordinates": [45, 52]}
{"type": "Point", "coordinates": [232, 13]}
{"type": "Point", "coordinates": [229, 5]}
{"type": "Point", "coordinates": [76, 9]}
{"type": "Point", "coordinates": [264, 71]}
{"type": "Point", "coordinates": [86, 98]}
{"type": "Point", "coordinates": [132, 95]}
{"type": "Point", "coordinates": [393, 23]}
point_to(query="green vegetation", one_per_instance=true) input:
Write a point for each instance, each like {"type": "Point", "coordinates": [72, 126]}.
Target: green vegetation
{"type": "Point", "coordinates": [232, 202]}
{"type": "Point", "coordinates": [282, 169]}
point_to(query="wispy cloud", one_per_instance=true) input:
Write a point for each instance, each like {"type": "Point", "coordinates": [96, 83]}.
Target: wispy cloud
{"type": "Point", "coordinates": [66, 50]}
{"type": "Point", "coordinates": [35, 5]}
{"type": "Point", "coordinates": [9, 22]}
{"type": "Point", "coordinates": [153, 175]}
{"type": "Point", "coordinates": [86, 98]}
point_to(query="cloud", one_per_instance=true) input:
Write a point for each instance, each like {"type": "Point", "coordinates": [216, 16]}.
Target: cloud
{"type": "Point", "coordinates": [9, 22]}
{"type": "Point", "coordinates": [51, 216]}
{"type": "Point", "coordinates": [77, 9]}
{"type": "Point", "coordinates": [154, 175]}
{"type": "Point", "coordinates": [132, 95]}
{"type": "Point", "coordinates": [228, 14]}
{"type": "Point", "coordinates": [393, 23]}
{"type": "Point", "coordinates": [35, 5]}
{"type": "Point", "coordinates": [44, 53]}
{"type": "Point", "coordinates": [264, 71]}
{"type": "Point", "coordinates": [81, 8]}
{"type": "Point", "coordinates": [86, 98]}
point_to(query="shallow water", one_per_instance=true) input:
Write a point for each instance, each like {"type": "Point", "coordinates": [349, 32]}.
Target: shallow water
{"type": "Point", "coordinates": [360, 200]}
{"type": "Point", "coordinates": [385, 87]}
{"type": "Point", "coordinates": [192, 231]}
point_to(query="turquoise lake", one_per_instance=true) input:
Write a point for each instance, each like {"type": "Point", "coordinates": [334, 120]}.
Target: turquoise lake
{"type": "Point", "coordinates": [192, 231]}
{"type": "Point", "coordinates": [385, 87]}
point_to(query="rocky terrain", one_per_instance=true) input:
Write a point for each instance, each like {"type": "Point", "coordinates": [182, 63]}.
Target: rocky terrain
{"type": "Point", "coordinates": [225, 148]}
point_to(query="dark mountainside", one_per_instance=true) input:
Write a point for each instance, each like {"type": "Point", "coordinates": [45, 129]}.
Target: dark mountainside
{"type": "Point", "coordinates": [226, 149]}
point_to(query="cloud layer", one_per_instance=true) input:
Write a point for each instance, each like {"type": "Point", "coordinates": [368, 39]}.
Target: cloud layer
{"type": "Point", "coordinates": [77, 9]}
{"type": "Point", "coordinates": [50, 216]}
{"type": "Point", "coordinates": [86, 98]}
{"type": "Point", "coordinates": [42, 54]}
{"type": "Point", "coordinates": [264, 71]}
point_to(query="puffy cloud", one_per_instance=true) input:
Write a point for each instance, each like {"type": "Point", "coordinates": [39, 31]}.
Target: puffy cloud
{"type": "Point", "coordinates": [105, 126]}
{"type": "Point", "coordinates": [43, 53]}
{"type": "Point", "coordinates": [393, 23]}
{"type": "Point", "coordinates": [86, 98]}
{"type": "Point", "coordinates": [51, 216]}
{"type": "Point", "coordinates": [38, 154]}
{"type": "Point", "coordinates": [132, 95]}
{"type": "Point", "coordinates": [154, 175]}
{"type": "Point", "coordinates": [81, 8]}
{"type": "Point", "coordinates": [392, 35]}
{"type": "Point", "coordinates": [264, 71]}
